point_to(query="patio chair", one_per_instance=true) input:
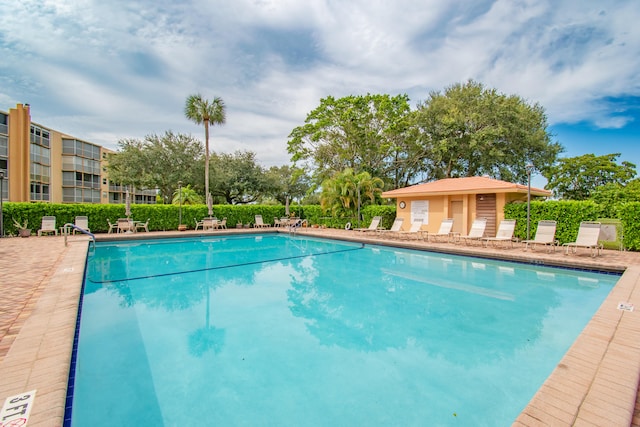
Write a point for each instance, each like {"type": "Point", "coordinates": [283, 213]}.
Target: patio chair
{"type": "Point", "coordinates": [125, 225]}
{"type": "Point", "coordinates": [82, 222]}
{"type": "Point", "coordinates": [395, 227]}
{"type": "Point", "coordinates": [545, 235]}
{"type": "Point", "coordinates": [477, 231]}
{"type": "Point", "coordinates": [112, 226]}
{"type": "Point", "coordinates": [223, 223]}
{"type": "Point", "coordinates": [444, 231]}
{"type": "Point", "coordinates": [143, 225]}
{"type": "Point", "coordinates": [198, 223]}
{"type": "Point", "coordinates": [588, 236]}
{"type": "Point", "coordinates": [48, 225]}
{"type": "Point", "coordinates": [375, 223]}
{"type": "Point", "coordinates": [277, 222]}
{"type": "Point", "coordinates": [260, 223]}
{"type": "Point", "coordinates": [414, 230]}
{"type": "Point", "coordinates": [504, 234]}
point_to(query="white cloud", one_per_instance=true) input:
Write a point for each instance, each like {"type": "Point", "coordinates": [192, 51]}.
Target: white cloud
{"type": "Point", "coordinates": [103, 71]}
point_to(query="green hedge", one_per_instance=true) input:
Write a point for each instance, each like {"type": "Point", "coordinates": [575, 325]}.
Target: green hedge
{"type": "Point", "coordinates": [166, 217]}
{"type": "Point", "coordinates": [569, 215]}
{"type": "Point", "coordinates": [161, 217]}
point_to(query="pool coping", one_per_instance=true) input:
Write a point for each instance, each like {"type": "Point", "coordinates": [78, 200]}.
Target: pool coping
{"type": "Point", "coordinates": [595, 383]}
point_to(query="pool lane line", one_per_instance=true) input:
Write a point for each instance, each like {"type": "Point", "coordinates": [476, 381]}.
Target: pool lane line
{"type": "Point", "coordinates": [225, 266]}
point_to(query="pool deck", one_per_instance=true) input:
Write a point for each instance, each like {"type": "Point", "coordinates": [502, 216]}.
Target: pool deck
{"type": "Point", "coordinates": [595, 384]}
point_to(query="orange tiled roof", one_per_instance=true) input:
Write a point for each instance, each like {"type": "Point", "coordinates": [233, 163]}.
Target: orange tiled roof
{"type": "Point", "coordinates": [468, 185]}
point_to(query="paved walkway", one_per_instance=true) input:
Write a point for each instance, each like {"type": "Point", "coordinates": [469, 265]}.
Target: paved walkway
{"type": "Point", "coordinates": [40, 278]}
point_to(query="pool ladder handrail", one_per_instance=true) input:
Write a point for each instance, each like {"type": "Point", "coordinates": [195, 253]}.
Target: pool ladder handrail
{"type": "Point", "coordinates": [67, 226]}
{"type": "Point", "coordinates": [293, 228]}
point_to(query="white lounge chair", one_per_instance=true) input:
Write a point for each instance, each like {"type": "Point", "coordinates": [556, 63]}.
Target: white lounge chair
{"type": "Point", "coordinates": [375, 223]}
{"type": "Point", "coordinates": [48, 225]}
{"type": "Point", "coordinates": [82, 222]}
{"type": "Point", "coordinates": [260, 223]}
{"type": "Point", "coordinates": [504, 234]}
{"type": "Point", "coordinates": [477, 231]}
{"type": "Point", "coordinates": [443, 232]}
{"type": "Point", "coordinates": [414, 231]}
{"type": "Point", "coordinates": [395, 227]}
{"type": "Point", "coordinates": [588, 235]}
{"type": "Point", "coordinates": [545, 235]}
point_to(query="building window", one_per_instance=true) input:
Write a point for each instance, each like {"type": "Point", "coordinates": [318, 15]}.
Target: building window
{"type": "Point", "coordinates": [4, 124]}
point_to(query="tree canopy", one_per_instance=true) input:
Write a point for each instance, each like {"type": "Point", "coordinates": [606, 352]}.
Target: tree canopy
{"type": "Point", "coordinates": [286, 181]}
{"type": "Point", "coordinates": [238, 178]}
{"type": "Point", "coordinates": [363, 133]}
{"type": "Point", "coordinates": [575, 178]}
{"type": "Point", "coordinates": [155, 162]}
{"type": "Point", "coordinates": [469, 130]}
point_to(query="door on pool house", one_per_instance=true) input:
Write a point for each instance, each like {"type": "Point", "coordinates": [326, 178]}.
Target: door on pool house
{"type": "Point", "coordinates": [486, 208]}
{"type": "Point", "coordinates": [457, 213]}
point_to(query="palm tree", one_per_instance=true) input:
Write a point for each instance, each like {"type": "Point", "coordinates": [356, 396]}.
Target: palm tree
{"type": "Point", "coordinates": [200, 110]}
{"type": "Point", "coordinates": [186, 196]}
{"type": "Point", "coordinates": [340, 193]}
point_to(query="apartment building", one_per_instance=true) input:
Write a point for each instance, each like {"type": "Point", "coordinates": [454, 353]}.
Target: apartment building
{"type": "Point", "coordinates": [45, 165]}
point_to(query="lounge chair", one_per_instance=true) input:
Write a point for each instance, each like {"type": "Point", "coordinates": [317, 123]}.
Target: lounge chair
{"type": "Point", "coordinates": [260, 223]}
{"type": "Point", "coordinates": [375, 223]}
{"type": "Point", "coordinates": [588, 235]}
{"type": "Point", "coordinates": [143, 225]}
{"type": "Point", "coordinates": [545, 235]}
{"type": "Point", "coordinates": [477, 231]}
{"type": "Point", "coordinates": [48, 225]}
{"type": "Point", "coordinates": [82, 222]}
{"type": "Point", "coordinates": [414, 230]}
{"type": "Point", "coordinates": [443, 232]}
{"type": "Point", "coordinates": [504, 234]}
{"type": "Point", "coordinates": [395, 227]}
{"type": "Point", "coordinates": [125, 225]}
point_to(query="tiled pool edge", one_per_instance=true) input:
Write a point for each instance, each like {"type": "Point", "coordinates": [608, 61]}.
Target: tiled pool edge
{"type": "Point", "coordinates": [39, 357]}
{"type": "Point", "coordinates": [596, 381]}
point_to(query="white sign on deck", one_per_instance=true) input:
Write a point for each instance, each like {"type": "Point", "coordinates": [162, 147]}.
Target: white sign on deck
{"type": "Point", "coordinates": [16, 409]}
{"type": "Point", "coordinates": [626, 306]}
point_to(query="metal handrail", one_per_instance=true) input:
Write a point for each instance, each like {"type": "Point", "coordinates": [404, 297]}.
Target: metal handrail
{"type": "Point", "coordinates": [75, 227]}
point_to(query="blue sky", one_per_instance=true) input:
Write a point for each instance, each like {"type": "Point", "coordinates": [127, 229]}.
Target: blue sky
{"type": "Point", "coordinates": [107, 70]}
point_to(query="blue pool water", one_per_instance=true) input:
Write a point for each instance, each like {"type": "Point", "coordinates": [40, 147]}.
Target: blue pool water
{"type": "Point", "coordinates": [273, 330]}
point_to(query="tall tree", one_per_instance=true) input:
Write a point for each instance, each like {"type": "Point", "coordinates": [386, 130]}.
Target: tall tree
{"type": "Point", "coordinates": [469, 130]}
{"type": "Point", "coordinates": [238, 179]}
{"type": "Point", "coordinates": [363, 133]}
{"type": "Point", "coordinates": [576, 178]}
{"type": "Point", "coordinates": [158, 161]}
{"type": "Point", "coordinates": [287, 182]}
{"type": "Point", "coordinates": [200, 110]}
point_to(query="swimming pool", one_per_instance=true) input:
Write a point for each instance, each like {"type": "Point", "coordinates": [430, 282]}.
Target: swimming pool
{"type": "Point", "coordinates": [279, 330]}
